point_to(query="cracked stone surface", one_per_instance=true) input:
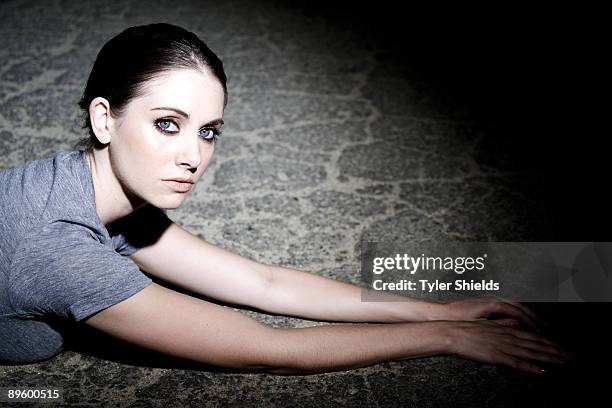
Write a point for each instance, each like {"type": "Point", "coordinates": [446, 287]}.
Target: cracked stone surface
{"type": "Point", "coordinates": [330, 138]}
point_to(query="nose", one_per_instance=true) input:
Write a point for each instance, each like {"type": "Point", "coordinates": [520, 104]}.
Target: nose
{"type": "Point", "coordinates": [189, 154]}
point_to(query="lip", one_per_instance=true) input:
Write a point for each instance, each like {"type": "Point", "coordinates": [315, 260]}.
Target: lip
{"type": "Point", "coordinates": [179, 186]}
{"type": "Point", "coordinates": [180, 180]}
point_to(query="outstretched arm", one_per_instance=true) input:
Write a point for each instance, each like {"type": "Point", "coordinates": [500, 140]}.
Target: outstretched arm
{"type": "Point", "coordinates": [316, 297]}
{"type": "Point", "coordinates": [183, 326]}
{"type": "Point", "coordinates": [188, 261]}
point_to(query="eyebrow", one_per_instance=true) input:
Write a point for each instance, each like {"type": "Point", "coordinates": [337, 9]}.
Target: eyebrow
{"type": "Point", "coordinates": [215, 122]}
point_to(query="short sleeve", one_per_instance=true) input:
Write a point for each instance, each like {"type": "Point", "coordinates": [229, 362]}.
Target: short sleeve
{"type": "Point", "coordinates": [64, 270]}
{"type": "Point", "coordinates": [140, 228]}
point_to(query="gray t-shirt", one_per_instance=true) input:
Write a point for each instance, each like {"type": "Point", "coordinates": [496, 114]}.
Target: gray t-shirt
{"type": "Point", "coordinates": [57, 259]}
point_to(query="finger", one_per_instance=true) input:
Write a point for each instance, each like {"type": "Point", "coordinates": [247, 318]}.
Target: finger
{"type": "Point", "coordinates": [536, 356]}
{"type": "Point", "coordinates": [506, 322]}
{"type": "Point", "coordinates": [522, 334]}
{"type": "Point", "coordinates": [549, 349]}
{"type": "Point", "coordinates": [524, 308]}
{"type": "Point", "coordinates": [519, 364]}
{"type": "Point", "coordinates": [515, 311]}
{"type": "Point", "coordinates": [525, 335]}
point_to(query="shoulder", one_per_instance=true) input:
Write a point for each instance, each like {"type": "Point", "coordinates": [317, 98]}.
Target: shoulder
{"type": "Point", "coordinates": [56, 244]}
{"type": "Point", "coordinates": [39, 168]}
{"type": "Point", "coordinates": [25, 190]}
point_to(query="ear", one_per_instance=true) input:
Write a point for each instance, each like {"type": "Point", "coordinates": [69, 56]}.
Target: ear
{"type": "Point", "coordinates": [101, 119]}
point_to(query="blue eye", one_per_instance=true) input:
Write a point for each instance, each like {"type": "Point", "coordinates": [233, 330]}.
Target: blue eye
{"type": "Point", "coordinates": [211, 135]}
{"type": "Point", "coordinates": [164, 124]}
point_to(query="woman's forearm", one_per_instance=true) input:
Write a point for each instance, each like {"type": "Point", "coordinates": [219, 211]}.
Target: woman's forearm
{"type": "Point", "coordinates": [328, 348]}
{"type": "Point", "coordinates": [299, 293]}
{"type": "Point", "coordinates": [343, 347]}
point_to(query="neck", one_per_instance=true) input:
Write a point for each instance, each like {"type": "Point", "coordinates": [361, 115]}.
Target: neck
{"type": "Point", "coordinates": [112, 201]}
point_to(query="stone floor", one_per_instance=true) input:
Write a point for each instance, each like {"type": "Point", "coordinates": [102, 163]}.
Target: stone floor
{"type": "Point", "coordinates": [340, 126]}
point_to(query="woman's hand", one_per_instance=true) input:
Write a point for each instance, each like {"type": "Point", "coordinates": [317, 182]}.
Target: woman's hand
{"type": "Point", "coordinates": [485, 307]}
{"type": "Point", "coordinates": [498, 342]}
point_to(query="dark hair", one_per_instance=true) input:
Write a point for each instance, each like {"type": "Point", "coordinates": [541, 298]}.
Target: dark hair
{"type": "Point", "coordinates": [137, 55]}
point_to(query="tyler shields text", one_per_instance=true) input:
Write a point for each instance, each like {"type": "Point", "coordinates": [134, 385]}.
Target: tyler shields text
{"type": "Point", "coordinates": [428, 286]}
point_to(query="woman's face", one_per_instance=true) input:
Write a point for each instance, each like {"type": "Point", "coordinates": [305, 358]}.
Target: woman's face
{"type": "Point", "coordinates": [152, 143]}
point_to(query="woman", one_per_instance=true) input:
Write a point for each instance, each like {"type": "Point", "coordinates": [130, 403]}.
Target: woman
{"type": "Point", "coordinates": [80, 226]}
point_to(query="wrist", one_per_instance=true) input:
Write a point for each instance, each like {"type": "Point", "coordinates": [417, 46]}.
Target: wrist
{"type": "Point", "coordinates": [444, 331]}
{"type": "Point", "coordinates": [438, 310]}
{"type": "Point", "coordinates": [414, 310]}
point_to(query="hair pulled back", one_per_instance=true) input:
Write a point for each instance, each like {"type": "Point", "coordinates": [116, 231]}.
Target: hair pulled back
{"type": "Point", "coordinates": [137, 55]}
